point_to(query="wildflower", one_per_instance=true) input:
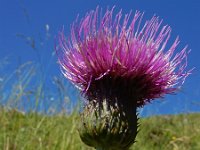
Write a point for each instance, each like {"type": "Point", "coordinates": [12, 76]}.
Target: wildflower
{"type": "Point", "coordinates": [119, 65]}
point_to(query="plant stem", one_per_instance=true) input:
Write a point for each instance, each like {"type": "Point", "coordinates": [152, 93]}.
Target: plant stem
{"type": "Point", "coordinates": [100, 148]}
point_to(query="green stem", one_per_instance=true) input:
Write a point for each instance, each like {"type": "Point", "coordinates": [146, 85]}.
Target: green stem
{"type": "Point", "coordinates": [99, 148]}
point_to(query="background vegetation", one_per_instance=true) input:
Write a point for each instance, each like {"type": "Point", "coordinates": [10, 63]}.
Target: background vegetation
{"type": "Point", "coordinates": [34, 118]}
{"type": "Point", "coordinates": [32, 131]}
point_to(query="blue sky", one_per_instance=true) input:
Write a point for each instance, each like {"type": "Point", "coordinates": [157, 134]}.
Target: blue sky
{"type": "Point", "coordinates": [41, 21]}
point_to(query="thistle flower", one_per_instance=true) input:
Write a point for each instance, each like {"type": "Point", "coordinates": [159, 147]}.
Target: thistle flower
{"type": "Point", "coordinates": [119, 65]}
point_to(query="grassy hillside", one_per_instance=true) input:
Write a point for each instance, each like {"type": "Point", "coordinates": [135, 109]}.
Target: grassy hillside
{"type": "Point", "coordinates": [33, 131]}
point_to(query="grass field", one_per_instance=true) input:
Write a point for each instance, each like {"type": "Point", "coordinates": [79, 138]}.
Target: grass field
{"type": "Point", "coordinates": [37, 131]}
{"type": "Point", "coordinates": [33, 131]}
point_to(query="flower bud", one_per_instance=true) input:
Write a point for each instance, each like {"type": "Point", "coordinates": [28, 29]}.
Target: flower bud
{"type": "Point", "coordinates": [108, 126]}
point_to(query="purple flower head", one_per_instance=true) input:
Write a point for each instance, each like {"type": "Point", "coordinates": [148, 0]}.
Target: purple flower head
{"type": "Point", "coordinates": [115, 56]}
